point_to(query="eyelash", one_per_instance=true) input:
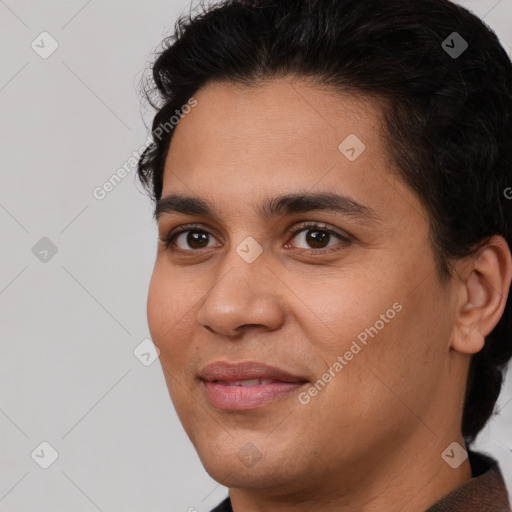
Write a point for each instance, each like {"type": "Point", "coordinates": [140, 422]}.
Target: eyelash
{"type": "Point", "coordinates": [304, 226]}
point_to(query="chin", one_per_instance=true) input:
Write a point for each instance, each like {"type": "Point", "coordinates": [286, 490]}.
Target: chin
{"type": "Point", "coordinates": [264, 475]}
{"type": "Point", "coordinates": [236, 461]}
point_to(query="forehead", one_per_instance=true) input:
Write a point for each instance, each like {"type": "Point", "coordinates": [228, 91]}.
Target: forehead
{"type": "Point", "coordinates": [243, 142]}
{"type": "Point", "coordinates": [280, 110]}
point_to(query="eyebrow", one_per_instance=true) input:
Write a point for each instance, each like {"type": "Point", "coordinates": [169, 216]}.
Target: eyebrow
{"type": "Point", "coordinates": [272, 207]}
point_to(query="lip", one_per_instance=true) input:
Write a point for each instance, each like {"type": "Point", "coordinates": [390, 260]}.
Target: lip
{"type": "Point", "coordinates": [223, 391]}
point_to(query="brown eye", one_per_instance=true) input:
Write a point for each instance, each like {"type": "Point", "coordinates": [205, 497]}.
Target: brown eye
{"type": "Point", "coordinates": [196, 239]}
{"type": "Point", "coordinates": [315, 237]}
{"type": "Point", "coordinates": [187, 238]}
{"type": "Point", "coordinates": [190, 239]}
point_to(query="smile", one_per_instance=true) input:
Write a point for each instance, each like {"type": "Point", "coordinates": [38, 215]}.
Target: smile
{"type": "Point", "coordinates": [246, 385]}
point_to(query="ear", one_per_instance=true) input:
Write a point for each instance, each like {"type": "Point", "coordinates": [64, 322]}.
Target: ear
{"type": "Point", "coordinates": [482, 295]}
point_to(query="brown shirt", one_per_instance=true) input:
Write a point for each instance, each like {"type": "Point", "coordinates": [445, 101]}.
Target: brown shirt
{"type": "Point", "coordinates": [485, 492]}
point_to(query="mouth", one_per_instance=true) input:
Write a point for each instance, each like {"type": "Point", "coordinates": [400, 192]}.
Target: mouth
{"type": "Point", "coordinates": [247, 385]}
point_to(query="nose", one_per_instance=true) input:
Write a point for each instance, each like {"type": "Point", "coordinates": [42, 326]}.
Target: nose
{"type": "Point", "coordinates": [243, 295]}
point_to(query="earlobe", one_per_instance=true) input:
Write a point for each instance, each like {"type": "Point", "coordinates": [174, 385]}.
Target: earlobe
{"type": "Point", "coordinates": [483, 295]}
{"type": "Point", "coordinates": [468, 340]}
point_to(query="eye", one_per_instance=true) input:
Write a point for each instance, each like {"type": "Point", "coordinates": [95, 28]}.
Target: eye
{"type": "Point", "coordinates": [187, 238]}
{"type": "Point", "coordinates": [318, 236]}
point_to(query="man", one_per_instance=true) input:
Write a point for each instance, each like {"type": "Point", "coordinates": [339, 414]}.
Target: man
{"type": "Point", "coordinates": [330, 295]}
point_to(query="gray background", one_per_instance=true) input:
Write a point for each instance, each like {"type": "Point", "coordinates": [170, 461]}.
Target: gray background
{"type": "Point", "coordinates": [70, 324]}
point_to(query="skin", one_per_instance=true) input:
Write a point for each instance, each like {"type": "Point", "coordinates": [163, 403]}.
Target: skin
{"type": "Point", "coordinates": [372, 438]}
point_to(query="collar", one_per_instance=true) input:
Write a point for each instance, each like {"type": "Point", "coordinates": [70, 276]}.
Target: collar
{"type": "Point", "coordinates": [484, 492]}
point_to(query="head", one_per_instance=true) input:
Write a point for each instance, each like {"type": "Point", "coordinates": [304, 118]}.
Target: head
{"type": "Point", "coordinates": [282, 106]}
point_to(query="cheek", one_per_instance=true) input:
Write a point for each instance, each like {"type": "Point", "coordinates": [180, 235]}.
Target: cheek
{"type": "Point", "coordinates": [167, 320]}
{"type": "Point", "coordinates": [167, 308]}
{"type": "Point", "coordinates": [342, 303]}
{"type": "Point", "coordinates": [393, 375]}
{"type": "Point", "coordinates": [408, 355]}
{"type": "Point", "coordinates": [158, 312]}
{"type": "Point", "coordinates": [378, 325]}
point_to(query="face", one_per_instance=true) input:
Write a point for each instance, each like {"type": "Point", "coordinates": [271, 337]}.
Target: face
{"type": "Point", "coordinates": [308, 274]}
